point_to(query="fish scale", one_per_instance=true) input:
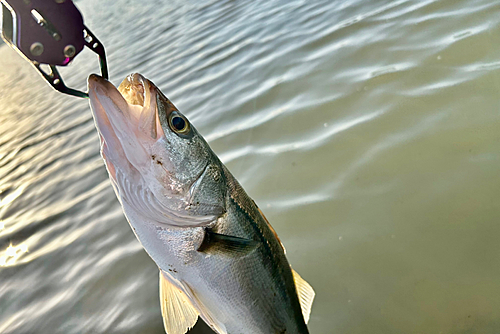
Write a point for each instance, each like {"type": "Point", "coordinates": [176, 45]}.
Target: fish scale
{"type": "Point", "coordinates": [218, 256]}
{"type": "Point", "coordinates": [275, 251]}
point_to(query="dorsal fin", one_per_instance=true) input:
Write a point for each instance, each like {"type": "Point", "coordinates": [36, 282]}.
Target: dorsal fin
{"type": "Point", "coordinates": [178, 313]}
{"type": "Point", "coordinates": [306, 295]}
{"type": "Point", "coordinates": [271, 228]}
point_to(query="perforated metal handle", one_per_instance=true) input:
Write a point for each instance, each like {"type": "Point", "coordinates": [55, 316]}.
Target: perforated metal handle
{"type": "Point", "coordinates": [49, 32]}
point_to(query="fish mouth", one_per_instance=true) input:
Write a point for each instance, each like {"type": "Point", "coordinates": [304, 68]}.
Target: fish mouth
{"type": "Point", "coordinates": [127, 121]}
{"type": "Point", "coordinates": [135, 98]}
{"type": "Point", "coordinates": [131, 137]}
{"type": "Point", "coordinates": [134, 89]}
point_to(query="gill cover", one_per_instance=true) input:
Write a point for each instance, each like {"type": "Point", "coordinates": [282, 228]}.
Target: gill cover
{"type": "Point", "coordinates": [160, 167]}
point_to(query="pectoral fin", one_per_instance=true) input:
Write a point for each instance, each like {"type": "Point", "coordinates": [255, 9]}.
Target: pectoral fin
{"type": "Point", "coordinates": [221, 243]}
{"type": "Point", "coordinates": [178, 313]}
{"type": "Point", "coordinates": [306, 295]}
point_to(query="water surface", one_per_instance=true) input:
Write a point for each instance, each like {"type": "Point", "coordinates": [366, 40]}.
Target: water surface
{"type": "Point", "coordinates": [367, 131]}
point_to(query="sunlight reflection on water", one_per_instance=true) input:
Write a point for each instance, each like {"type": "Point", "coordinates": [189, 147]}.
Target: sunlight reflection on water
{"type": "Point", "coordinates": [368, 131]}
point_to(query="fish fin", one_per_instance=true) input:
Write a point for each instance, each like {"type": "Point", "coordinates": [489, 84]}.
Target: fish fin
{"type": "Point", "coordinates": [306, 295]}
{"type": "Point", "coordinates": [245, 203]}
{"type": "Point", "coordinates": [207, 316]}
{"type": "Point", "coordinates": [178, 313]}
{"type": "Point", "coordinates": [215, 242]}
{"type": "Point", "coordinates": [271, 228]}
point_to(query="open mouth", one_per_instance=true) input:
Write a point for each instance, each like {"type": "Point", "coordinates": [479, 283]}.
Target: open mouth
{"type": "Point", "coordinates": [127, 119]}
{"type": "Point", "coordinates": [135, 92]}
{"type": "Point", "coordinates": [134, 89]}
{"type": "Point", "coordinates": [133, 145]}
{"type": "Point", "coordinates": [128, 110]}
{"type": "Point", "coordinates": [139, 91]}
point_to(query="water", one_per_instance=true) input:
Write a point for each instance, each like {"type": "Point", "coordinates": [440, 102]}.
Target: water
{"type": "Point", "coordinates": [367, 131]}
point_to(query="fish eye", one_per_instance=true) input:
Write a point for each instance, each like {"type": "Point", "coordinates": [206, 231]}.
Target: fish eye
{"type": "Point", "coordinates": [179, 124]}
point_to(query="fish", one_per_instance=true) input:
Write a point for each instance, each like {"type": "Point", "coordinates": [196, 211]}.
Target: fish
{"type": "Point", "coordinates": [219, 259]}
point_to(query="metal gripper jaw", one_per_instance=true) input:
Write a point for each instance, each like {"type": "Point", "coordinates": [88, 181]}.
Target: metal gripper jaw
{"type": "Point", "coordinates": [49, 32]}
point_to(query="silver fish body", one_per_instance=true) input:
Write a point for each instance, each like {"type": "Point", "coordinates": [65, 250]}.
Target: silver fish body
{"type": "Point", "coordinates": [218, 256]}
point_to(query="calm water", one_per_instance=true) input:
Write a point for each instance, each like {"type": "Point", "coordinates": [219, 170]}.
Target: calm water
{"type": "Point", "coordinates": [367, 131]}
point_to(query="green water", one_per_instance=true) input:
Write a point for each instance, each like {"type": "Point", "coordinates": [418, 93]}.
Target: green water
{"type": "Point", "coordinates": [367, 131]}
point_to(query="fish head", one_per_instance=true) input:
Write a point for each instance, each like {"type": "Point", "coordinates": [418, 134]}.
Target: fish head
{"type": "Point", "coordinates": [159, 165]}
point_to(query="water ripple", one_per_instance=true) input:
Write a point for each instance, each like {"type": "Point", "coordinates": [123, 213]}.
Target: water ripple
{"type": "Point", "coordinates": [351, 121]}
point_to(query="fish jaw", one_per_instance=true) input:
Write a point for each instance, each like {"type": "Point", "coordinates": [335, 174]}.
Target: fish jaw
{"type": "Point", "coordinates": [248, 291]}
{"type": "Point", "coordinates": [136, 147]}
{"type": "Point", "coordinates": [123, 148]}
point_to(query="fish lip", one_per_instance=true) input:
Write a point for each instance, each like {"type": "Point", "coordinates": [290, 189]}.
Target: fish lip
{"type": "Point", "coordinates": [96, 81]}
{"type": "Point", "coordinates": [98, 85]}
{"type": "Point", "coordinates": [125, 146]}
{"type": "Point", "coordinates": [121, 119]}
{"type": "Point", "coordinates": [127, 89]}
{"type": "Point", "coordinates": [131, 99]}
{"type": "Point", "coordinates": [94, 78]}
